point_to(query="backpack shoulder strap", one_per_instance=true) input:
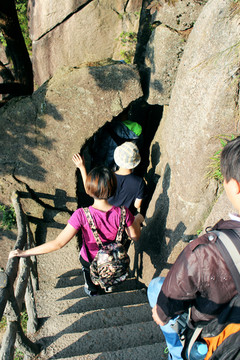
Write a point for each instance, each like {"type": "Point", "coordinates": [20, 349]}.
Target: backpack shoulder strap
{"type": "Point", "coordinates": [228, 243]}
{"type": "Point", "coordinates": [92, 226]}
{"type": "Point", "coordinates": [121, 225]}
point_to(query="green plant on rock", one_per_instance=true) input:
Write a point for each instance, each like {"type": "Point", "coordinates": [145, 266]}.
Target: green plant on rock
{"type": "Point", "coordinates": [3, 323]}
{"type": "Point", "coordinates": [214, 168]}
{"type": "Point", "coordinates": [7, 217]}
{"type": "Point", "coordinates": [24, 320]}
{"type": "Point", "coordinates": [137, 13]}
{"type": "Point", "coordinates": [21, 7]}
{"type": "Point", "coordinates": [18, 355]}
{"type": "Point", "coordinates": [128, 37]}
{"type": "Point", "coordinates": [129, 40]}
{"type": "Point", "coordinates": [127, 55]}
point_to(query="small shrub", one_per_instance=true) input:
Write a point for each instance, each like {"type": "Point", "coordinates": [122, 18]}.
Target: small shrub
{"type": "Point", "coordinates": [3, 323]}
{"type": "Point", "coordinates": [214, 167]}
{"type": "Point", "coordinates": [7, 217]}
{"type": "Point", "coordinates": [24, 320]}
{"type": "Point", "coordinates": [21, 8]}
{"type": "Point", "coordinates": [18, 355]}
{"type": "Point", "coordinates": [128, 39]}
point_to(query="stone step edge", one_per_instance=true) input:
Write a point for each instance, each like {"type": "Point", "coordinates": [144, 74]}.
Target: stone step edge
{"type": "Point", "coordinates": [97, 319]}
{"type": "Point", "coordinates": [49, 307]}
{"type": "Point", "coordinates": [69, 289]}
{"type": "Point", "coordinates": [157, 350]}
{"type": "Point", "coordinates": [144, 352]}
{"type": "Point", "coordinates": [115, 337]}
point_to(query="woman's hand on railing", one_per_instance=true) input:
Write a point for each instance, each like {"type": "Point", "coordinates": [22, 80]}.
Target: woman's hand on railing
{"type": "Point", "coordinates": [15, 253]}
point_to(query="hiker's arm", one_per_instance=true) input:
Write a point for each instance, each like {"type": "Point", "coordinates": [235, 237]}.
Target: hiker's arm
{"type": "Point", "coordinates": [140, 194]}
{"type": "Point", "coordinates": [137, 203]}
{"type": "Point", "coordinates": [156, 316]}
{"type": "Point", "coordinates": [63, 238]}
{"type": "Point", "coordinates": [134, 231]}
{"type": "Point", "coordinates": [80, 164]}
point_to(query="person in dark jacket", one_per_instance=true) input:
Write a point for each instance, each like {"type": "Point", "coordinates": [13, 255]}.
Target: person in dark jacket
{"type": "Point", "coordinates": [199, 278]}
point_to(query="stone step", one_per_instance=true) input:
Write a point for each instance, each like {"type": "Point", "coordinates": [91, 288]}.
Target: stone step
{"type": "Point", "coordinates": [75, 344]}
{"type": "Point", "coordinates": [145, 352]}
{"type": "Point", "coordinates": [59, 263]}
{"type": "Point", "coordinates": [55, 303]}
{"type": "Point", "coordinates": [77, 282]}
{"type": "Point", "coordinates": [75, 278]}
{"type": "Point", "coordinates": [156, 351]}
{"type": "Point", "coordinates": [95, 319]}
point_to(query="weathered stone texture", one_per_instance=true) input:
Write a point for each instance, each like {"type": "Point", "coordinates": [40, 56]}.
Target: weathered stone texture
{"type": "Point", "coordinates": [166, 46]}
{"type": "Point", "coordinates": [204, 99]}
{"type": "Point", "coordinates": [196, 75]}
{"type": "Point", "coordinates": [164, 52]}
{"type": "Point", "coordinates": [181, 15]}
{"type": "Point", "coordinates": [89, 34]}
{"type": "Point", "coordinates": [42, 132]}
{"type": "Point", "coordinates": [203, 105]}
{"type": "Point", "coordinates": [45, 15]}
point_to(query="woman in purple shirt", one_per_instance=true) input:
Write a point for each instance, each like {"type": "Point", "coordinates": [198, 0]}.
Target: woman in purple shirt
{"type": "Point", "coordinates": [100, 183]}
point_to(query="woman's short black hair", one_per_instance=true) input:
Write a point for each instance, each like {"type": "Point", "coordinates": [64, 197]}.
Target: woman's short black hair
{"type": "Point", "coordinates": [230, 160]}
{"type": "Point", "coordinates": [101, 183]}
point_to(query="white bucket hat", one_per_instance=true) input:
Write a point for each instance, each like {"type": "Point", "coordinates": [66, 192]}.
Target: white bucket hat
{"type": "Point", "coordinates": [127, 155]}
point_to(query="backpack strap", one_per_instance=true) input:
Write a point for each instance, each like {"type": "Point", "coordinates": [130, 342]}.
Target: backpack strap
{"type": "Point", "coordinates": [121, 225]}
{"type": "Point", "coordinates": [94, 230]}
{"type": "Point", "coordinates": [92, 226]}
{"type": "Point", "coordinates": [228, 243]}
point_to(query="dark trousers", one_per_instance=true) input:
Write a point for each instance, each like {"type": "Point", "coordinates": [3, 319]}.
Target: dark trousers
{"type": "Point", "coordinates": [86, 273]}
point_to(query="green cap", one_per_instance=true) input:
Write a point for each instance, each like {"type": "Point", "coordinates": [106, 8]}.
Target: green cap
{"type": "Point", "coordinates": [133, 126]}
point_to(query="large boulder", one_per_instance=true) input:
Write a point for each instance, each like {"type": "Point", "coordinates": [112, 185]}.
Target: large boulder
{"type": "Point", "coordinates": [45, 15]}
{"type": "Point", "coordinates": [203, 105]}
{"type": "Point", "coordinates": [42, 132]}
{"type": "Point", "coordinates": [172, 25]}
{"type": "Point", "coordinates": [164, 52]}
{"type": "Point", "coordinates": [80, 31]}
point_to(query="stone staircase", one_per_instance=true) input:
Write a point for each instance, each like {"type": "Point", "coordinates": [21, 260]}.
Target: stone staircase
{"type": "Point", "coordinates": [109, 326]}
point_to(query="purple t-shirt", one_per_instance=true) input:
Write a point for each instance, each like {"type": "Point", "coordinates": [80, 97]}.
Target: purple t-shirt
{"type": "Point", "coordinates": [107, 224]}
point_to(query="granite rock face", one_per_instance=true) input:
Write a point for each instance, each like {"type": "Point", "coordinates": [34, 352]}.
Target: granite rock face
{"type": "Point", "coordinates": [42, 132]}
{"type": "Point", "coordinates": [192, 63]}
{"type": "Point", "coordinates": [203, 106]}
{"type": "Point", "coordinates": [172, 25]}
{"type": "Point", "coordinates": [73, 32]}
